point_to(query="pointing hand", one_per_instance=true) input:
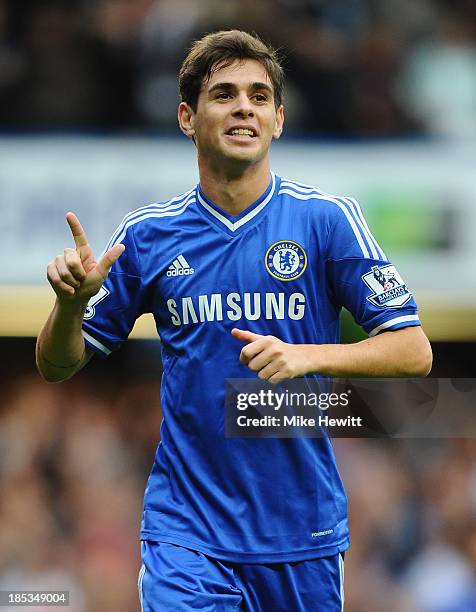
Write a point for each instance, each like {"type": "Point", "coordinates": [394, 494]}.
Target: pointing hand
{"type": "Point", "coordinates": [76, 275]}
{"type": "Point", "coordinates": [272, 359]}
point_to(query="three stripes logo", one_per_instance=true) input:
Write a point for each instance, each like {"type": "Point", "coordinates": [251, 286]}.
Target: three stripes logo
{"type": "Point", "coordinates": [179, 267]}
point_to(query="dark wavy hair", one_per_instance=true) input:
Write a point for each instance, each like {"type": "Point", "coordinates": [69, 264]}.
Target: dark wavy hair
{"type": "Point", "coordinates": [221, 49]}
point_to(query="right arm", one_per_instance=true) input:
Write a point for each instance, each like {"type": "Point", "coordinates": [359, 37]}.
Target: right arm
{"type": "Point", "coordinates": [75, 277]}
{"type": "Point", "coordinates": [60, 348]}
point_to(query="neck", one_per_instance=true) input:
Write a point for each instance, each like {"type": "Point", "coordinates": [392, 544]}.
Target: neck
{"type": "Point", "coordinates": [233, 191]}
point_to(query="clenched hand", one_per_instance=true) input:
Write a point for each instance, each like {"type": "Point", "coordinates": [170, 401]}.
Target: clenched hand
{"type": "Point", "coordinates": [273, 359]}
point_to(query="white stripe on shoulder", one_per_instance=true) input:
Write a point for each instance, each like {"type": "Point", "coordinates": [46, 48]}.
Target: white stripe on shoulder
{"type": "Point", "coordinates": [299, 186]}
{"type": "Point", "coordinates": [149, 213]}
{"type": "Point", "coordinates": [174, 203]}
{"type": "Point", "coordinates": [392, 322]}
{"type": "Point", "coordinates": [96, 343]}
{"type": "Point", "coordinates": [366, 228]}
{"type": "Point", "coordinates": [354, 208]}
{"type": "Point", "coordinates": [344, 208]}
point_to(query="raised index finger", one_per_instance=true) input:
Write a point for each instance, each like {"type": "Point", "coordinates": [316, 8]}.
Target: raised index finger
{"type": "Point", "coordinates": [76, 228]}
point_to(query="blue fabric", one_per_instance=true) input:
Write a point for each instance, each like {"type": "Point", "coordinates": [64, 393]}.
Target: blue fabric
{"type": "Point", "coordinates": [285, 267]}
{"type": "Point", "coordinates": [177, 578]}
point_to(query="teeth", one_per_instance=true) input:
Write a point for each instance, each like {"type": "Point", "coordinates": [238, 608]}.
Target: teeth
{"type": "Point", "coordinates": [242, 132]}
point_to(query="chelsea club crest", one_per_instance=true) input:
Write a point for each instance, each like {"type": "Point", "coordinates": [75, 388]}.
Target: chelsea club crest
{"type": "Point", "coordinates": [285, 260]}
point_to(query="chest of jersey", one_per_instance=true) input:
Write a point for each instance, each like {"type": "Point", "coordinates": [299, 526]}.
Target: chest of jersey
{"type": "Point", "coordinates": [263, 273]}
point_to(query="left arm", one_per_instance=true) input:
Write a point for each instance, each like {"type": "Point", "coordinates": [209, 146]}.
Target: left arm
{"type": "Point", "coordinates": [402, 353]}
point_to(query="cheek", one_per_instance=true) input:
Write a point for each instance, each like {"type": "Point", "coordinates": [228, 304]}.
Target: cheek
{"type": "Point", "coordinates": [202, 129]}
{"type": "Point", "coordinates": [209, 127]}
{"type": "Point", "coordinates": [270, 122]}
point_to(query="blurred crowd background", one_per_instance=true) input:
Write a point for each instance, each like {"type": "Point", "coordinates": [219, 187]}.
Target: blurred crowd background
{"type": "Point", "coordinates": [74, 457]}
{"type": "Point", "coordinates": [360, 68]}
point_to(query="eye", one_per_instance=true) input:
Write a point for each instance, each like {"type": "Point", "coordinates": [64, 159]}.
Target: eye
{"type": "Point", "coordinates": [260, 97]}
{"type": "Point", "coordinates": [223, 95]}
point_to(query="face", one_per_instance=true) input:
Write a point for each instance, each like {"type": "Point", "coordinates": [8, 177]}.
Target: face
{"type": "Point", "coordinates": [236, 118]}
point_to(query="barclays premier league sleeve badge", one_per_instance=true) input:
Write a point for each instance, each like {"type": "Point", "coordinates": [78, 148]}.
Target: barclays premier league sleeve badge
{"type": "Point", "coordinates": [285, 260]}
{"type": "Point", "coordinates": [389, 289]}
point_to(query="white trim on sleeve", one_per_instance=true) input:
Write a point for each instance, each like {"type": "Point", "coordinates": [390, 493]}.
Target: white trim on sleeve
{"type": "Point", "coordinates": [393, 322]}
{"type": "Point", "coordinates": [96, 343]}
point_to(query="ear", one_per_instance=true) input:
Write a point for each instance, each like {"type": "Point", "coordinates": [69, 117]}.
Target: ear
{"type": "Point", "coordinates": [186, 119]}
{"type": "Point", "coordinates": [278, 127]}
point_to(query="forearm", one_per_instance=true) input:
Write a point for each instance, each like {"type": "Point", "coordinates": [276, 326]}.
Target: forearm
{"type": "Point", "coordinates": [60, 348]}
{"type": "Point", "coordinates": [405, 352]}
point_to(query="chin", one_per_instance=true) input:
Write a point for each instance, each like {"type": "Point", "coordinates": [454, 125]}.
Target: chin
{"type": "Point", "coordinates": [243, 155]}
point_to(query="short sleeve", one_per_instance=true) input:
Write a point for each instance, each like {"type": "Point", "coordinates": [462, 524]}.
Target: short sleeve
{"type": "Point", "coordinates": [362, 279]}
{"type": "Point", "coordinates": [112, 312]}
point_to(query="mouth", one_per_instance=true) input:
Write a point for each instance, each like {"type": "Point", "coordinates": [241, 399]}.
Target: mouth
{"type": "Point", "coordinates": [246, 132]}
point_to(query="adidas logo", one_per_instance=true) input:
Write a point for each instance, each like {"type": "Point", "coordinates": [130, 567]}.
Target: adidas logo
{"type": "Point", "coordinates": [179, 267]}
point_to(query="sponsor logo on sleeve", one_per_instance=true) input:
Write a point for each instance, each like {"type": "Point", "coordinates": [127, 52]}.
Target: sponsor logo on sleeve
{"type": "Point", "coordinates": [388, 287]}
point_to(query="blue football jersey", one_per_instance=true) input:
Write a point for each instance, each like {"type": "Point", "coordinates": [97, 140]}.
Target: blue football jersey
{"type": "Point", "coordinates": [285, 266]}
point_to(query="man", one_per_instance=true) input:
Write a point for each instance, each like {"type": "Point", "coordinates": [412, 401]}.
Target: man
{"type": "Point", "coordinates": [244, 258]}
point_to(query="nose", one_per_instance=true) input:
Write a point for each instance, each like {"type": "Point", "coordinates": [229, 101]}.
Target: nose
{"type": "Point", "coordinates": [243, 107]}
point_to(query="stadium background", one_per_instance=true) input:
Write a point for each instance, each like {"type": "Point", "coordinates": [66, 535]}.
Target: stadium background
{"type": "Point", "coordinates": [381, 103]}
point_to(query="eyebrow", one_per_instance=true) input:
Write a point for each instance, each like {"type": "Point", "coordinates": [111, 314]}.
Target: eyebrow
{"type": "Point", "coordinates": [257, 85]}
